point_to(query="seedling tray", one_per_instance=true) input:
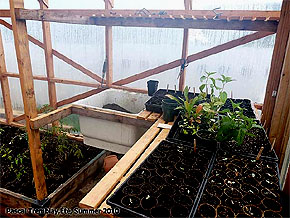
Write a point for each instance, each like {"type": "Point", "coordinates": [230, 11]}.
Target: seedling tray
{"type": "Point", "coordinates": [167, 183]}
{"type": "Point", "coordinates": [155, 102]}
{"type": "Point", "coordinates": [239, 185]}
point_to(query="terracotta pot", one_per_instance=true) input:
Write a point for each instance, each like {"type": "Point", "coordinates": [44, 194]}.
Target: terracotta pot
{"type": "Point", "coordinates": [109, 162]}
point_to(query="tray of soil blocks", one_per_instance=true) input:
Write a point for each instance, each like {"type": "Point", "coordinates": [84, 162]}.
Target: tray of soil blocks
{"type": "Point", "coordinates": [246, 104]}
{"type": "Point", "coordinates": [176, 134]}
{"type": "Point", "coordinates": [166, 184]}
{"type": "Point", "coordinates": [155, 102]}
{"type": "Point", "coordinates": [241, 187]}
{"type": "Point", "coordinates": [252, 145]}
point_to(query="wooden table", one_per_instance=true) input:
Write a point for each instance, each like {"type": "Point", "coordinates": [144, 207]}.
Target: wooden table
{"type": "Point", "coordinates": [97, 197]}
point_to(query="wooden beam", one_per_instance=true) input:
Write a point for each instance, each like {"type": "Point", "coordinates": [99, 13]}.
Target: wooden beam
{"type": "Point", "coordinates": [4, 13]}
{"type": "Point", "coordinates": [109, 47]}
{"type": "Point", "coordinates": [59, 55]}
{"type": "Point", "coordinates": [28, 95]}
{"type": "Point", "coordinates": [80, 96]}
{"type": "Point", "coordinates": [94, 17]}
{"type": "Point", "coordinates": [96, 196]}
{"type": "Point", "coordinates": [282, 104]}
{"type": "Point", "coordinates": [197, 56]}
{"type": "Point", "coordinates": [103, 114]}
{"type": "Point", "coordinates": [5, 85]}
{"type": "Point", "coordinates": [50, 117]}
{"type": "Point", "coordinates": [3, 121]}
{"type": "Point", "coordinates": [277, 62]}
{"type": "Point", "coordinates": [49, 60]}
{"type": "Point", "coordinates": [18, 118]}
{"type": "Point", "coordinates": [182, 73]}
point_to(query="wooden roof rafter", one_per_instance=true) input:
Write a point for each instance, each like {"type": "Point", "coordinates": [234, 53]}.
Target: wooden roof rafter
{"type": "Point", "coordinates": [196, 19]}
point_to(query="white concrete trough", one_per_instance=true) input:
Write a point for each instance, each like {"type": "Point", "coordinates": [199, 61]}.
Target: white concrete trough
{"type": "Point", "coordinates": [109, 135]}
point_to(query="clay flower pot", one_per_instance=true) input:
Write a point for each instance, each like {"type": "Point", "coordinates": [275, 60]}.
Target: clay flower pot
{"type": "Point", "coordinates": [109, 162]}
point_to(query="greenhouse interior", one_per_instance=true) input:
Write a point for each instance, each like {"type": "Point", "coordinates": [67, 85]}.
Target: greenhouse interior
{"type": "Point", "coordinates": [176, 83]}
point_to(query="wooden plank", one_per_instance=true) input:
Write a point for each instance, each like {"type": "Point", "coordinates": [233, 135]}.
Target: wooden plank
{"type": "Point", "coordinates": [49, 60]}
{"type": "Point", "coordinates": [182, 72]}
{"type": "Point", "coordinates": [143, 115]}
{"type": "Point", "coordinates": [277, 62]}
{"type": "Point", "coordinates": [144, 91]}
{"type": "Point", "coordinates": [96, 196]}
{"type": "Point", "coordinates": [80, 96]}
{"type": "Point", "coordinates": [92, 17]}
{"type": "Point", "coordinates": [109, 47]}
{"type": "Point", "coordinates": [197, 56]}
{"type": "Point", "coordinates": [161, 136]}
{"type": "Point", "coordinates": [44, 119]}
{"type": "Point", "coordinates": [5, 85]}
{"type": "Point", "coordinates": [113, 116]}
{"type": "Point", "coordinates": [19, 118]}
{"type": "Point", "coordinates": [59, 55]}
{"type": "Point", "coordinates": [28, 95]}
{"type": "Point", "coordinates": [4, 13]}
{"type": "Point", "coordinates": [154, 116]}
{"type": "Point", "coordinates": [285, 139]}
{"type": "Point", "coordinates": [258, 106]}
{"type": "Point", "coordinates": [282, 104]}
{"type": "Point", "coordinates": [3, 121]}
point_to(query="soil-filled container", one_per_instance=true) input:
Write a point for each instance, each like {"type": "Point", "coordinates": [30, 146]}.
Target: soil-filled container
{"type": "Point", "coordinates": [168, 109]}
{"type": "Point", "coordinates": [154, 104]}
{"type": "Point", "coordinates": [152, 86]}
{"type": "Point", "coordinates": [64, 172]}
{"type": "Point", "coordinates": [241, 186]}
{"type": "Point", "coordinates": [168, 181]}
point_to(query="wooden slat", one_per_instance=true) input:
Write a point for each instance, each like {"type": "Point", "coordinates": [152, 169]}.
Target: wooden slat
{"type": "Point", "coordinates": [80, 96]}
{"type": "Point", "coordinates": [4, 13]}
{"type": "Point", "coordinates": [285, 140]}
{"type": "Point", "coordinates": [3, 121]}
{"type": "Point", "coordinates": [277, 62]}
{"type": "Point", "coordinates": [258, 106]}
{"type": "Point", "coordinates": [49, 60]}
{"type": "Point", "coordinates": [93, 17]}
{"type": "Point", "coordinates": [5, 85]}
{"type": "Point", "coordinates": [161, 136]}
{"type": "Point", "coordinates": [18, 118]}
{"type": "Point", "coordinates": [96, 196]}
{"type": "Point", "coordinates": [109, 47]}
{"type": "Point", "coordinates": [223, 47]}
{"type": "Point", "coordinates": [144, 114]}
{"type": "Point", "coordinates": [154, 116]}
{"type": "Point", "coordinates": [182, 72]}
{"type": "Point", "coordinates": [144, 91]}
{"type": "Point", "coordinates": [114, 116]}
{"type": "Point", "coordinates": [50, 117]}
{"type": "Point", "coordinates": [59, 55]}
{"type": "Point", "coordinates": [28, 95]}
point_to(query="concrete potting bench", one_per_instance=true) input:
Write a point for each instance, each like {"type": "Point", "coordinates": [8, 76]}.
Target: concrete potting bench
{"type": "Point", "coordinates": [97, 197]}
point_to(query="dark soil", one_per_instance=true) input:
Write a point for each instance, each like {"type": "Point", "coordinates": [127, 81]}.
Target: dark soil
{"type": "Point", "coordinates": [116, 108]}
{"type": "Point", "coordinates": [172, 189]}
{"type": "Point", "coordinates": [244, 192]}
{"type": "Point", "coordinates": [58, 167]}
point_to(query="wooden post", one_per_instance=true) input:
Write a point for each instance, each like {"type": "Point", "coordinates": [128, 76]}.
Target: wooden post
{"type": "Point", "coordinates": [5, 85]}
{"type": "Point", "coordinates": [282, 105]}
{"type": "Point", "coordinates": [188, 6]}
{"type": "Point", "coordinates": [109, 4]}
{"type": "Point", "coordinates": [49, 61]}
{"type": "Point", "coordinates": [277, 62]}
{"type": "Point", "coordinates": [28, 95]}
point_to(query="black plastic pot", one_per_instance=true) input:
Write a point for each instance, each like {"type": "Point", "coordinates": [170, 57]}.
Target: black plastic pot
{"type": "Point", "coordinates": [168, 108]}
{"type": "Point", "coordinates": [152, 86]}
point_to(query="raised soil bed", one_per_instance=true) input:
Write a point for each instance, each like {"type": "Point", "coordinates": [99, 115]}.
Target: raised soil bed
{"type": "Point", "coordinates": [241, 187]}
{"type": "Point", "coordinates": [166, 184]}
{"type": "Point", "coordinates": [63, 174]}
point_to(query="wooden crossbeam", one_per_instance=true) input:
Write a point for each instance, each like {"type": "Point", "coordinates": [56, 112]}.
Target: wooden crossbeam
{"type": "Point", "coordinates": [277, 62]}
{"type": "Point", "coordinates": [96, 196]}
{"type": "Point", "coordinates": [27, 88]}
{"type": "Point", "coordinates": [94, 17]}
{"type": "Point", "coordinates": [111, 116]}
{"type": "Point", "coordinates": [59, 55]}
{"type": "Point", "coordinates": [4, 13]}
{"type": "Point", "coordinates": [109, 47]}
{"type": "Point", "coordinates": [50, 117]}
{"type": "Point", "coordinates": [5, 85]}
{"type": "Point", "coordinates": [217, 49]}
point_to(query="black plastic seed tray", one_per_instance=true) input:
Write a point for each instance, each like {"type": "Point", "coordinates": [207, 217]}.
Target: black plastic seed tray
{"type": "Point", "coordinates": [166, 184]}
{"type": "Point", "coordinates": [155, 102]}
{"type": "Point", "coordinates": [240, 186]}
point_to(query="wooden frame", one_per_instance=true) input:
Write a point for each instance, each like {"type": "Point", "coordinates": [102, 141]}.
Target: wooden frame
{"type": "Point", "coordinates": [265, 22]}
